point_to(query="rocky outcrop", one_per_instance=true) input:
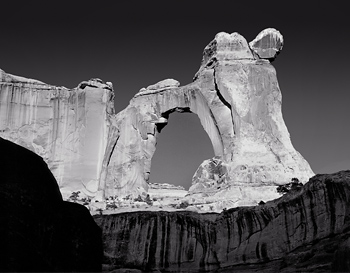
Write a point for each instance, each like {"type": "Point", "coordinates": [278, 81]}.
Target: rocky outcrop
{"type": "Point", "coordinates": [235, 94]}
{"type": "Point", "coordinates": [165, 186]}
{"type": "Point", "coordinates": [39, 232]}
{"type": "Point", "coordinates": [238, 101]}
{"type": "Point", "coordinates": [304, 230]}
{"type": "Point", "coordinates": [67, 128]}
{"type": "Point", "coordinates": [268, 44]}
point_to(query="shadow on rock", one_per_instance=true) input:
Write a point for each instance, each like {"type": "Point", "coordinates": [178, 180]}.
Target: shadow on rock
{"type": "Point", "coordinates": [38, 230]}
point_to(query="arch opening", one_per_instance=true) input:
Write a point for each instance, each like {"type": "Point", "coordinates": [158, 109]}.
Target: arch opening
{"type": "Point", "coordinates": [180, 149]}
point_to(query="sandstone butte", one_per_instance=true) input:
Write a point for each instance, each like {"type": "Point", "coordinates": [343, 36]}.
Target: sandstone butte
{"type": "Point", "coordinates": [91, 149]}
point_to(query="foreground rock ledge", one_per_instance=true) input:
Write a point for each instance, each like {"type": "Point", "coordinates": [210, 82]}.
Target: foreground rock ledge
{"type": "Point", "coordinates": [39, 232]}
{"type": "Point", "coordinates": [306, 230]}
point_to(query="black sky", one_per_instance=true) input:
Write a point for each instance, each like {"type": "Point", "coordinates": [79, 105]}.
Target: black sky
{"type": "Point", "coordinates": [137, 43]}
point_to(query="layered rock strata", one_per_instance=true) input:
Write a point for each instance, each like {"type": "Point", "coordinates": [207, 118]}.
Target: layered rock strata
{"type": "Point", "coordinates": [304, 230]}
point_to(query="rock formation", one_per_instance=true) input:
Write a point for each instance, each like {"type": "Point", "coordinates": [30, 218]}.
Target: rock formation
{"type": "Point", "coordinates": [67, 128]}
{"type": "Point", "coordinates": [235, 94]}
{"type": "Point", "coordinates": [237, 99]}
{"type": "Point", "coordinates": [39, 232]}
{"type": "Point", "coordinates": [267, 44]}
{"type": "Point", "coordinates": [165, 186]}
{"type": "Point", "coordinates": [305, 230]}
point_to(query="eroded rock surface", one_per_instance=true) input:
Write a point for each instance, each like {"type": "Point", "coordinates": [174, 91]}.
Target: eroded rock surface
{"type": "Point", "coordinates": [268, 44]}
{"type": "Point", "coordinates": [238, 101]}
{"type": "Point", "coordinates": [165, 186]}
{"type": "Point", "coordinates": [67, 128]}
{"type": "Point", "coordinates": [306, 230]}
{"type": "Point", "coordinates": [235, 94]}
{"type": "Point", "coordinates": [39, 232]}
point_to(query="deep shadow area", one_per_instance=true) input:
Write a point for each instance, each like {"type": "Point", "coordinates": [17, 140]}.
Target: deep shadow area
{"type": "Point", "coordinates": [181, 147]}
{"type": "Point", "coordinates": [39, 232]}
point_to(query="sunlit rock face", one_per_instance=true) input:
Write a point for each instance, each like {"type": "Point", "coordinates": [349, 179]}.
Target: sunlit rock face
{"type": "Point", "coordinates": [132, 143]}
{"type": "Point", "coordinates": [68, 128]}
{"type": "Point", "coordinates": [267, 44]}
{"type": "Point", "coordinates": [235, 94]}
{"type": "Point", "coordinates": [238, 101]}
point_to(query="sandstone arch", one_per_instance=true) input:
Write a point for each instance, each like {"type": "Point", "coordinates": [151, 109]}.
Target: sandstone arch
{"type": "Point", "coordinates": [236, 96]}
{"type": "Point", "coordinates": [181, 146]}
{"type": "Point", "coordinates": [137, 127]}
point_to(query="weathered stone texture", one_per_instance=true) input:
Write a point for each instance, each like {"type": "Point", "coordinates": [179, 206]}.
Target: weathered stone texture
{"type": "Point", "coordinates": [89, 149]}
{"type": "Point", "coordinates": [67, 128]}
{"type": "Point", "coordinates": [267, 44]}
{"type": "Point", "coordinates": [292, 232]}
{"type": "Point", "coordinates": [238, 102]}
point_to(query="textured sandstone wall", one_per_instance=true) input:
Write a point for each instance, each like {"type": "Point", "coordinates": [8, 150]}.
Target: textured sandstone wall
{"type": "Point", "coordinates": [68, 128]}
{"type": "Point", "coordinates": [242, 236]}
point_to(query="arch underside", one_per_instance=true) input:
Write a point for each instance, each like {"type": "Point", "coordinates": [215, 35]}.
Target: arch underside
{"type": "Point", "coordinates": [239, 107]}
{"type": "Point", "coordinates": [139, 125]}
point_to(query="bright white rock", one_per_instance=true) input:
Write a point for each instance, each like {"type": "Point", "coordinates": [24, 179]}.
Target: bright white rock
{"type": "Point", "coordinates": [68, 128]}
{"type": "Point", "coordinates": [89, 149]}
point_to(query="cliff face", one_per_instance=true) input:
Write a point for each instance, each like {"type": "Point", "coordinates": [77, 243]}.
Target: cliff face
{"type": "Point", "coordinates": [305, 229]}
{"type": "Point", "coordinates": [67, 128]}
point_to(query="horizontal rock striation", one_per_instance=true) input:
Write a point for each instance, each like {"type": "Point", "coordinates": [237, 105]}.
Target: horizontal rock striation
{"type": "Point", "coordinates": [300, 230]}
{"type": "Point", "coordinates": [165, 186]}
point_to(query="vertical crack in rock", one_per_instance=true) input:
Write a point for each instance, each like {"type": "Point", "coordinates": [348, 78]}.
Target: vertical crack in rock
{"type": "Point", "coordinates": [219, 93]}
{"type": "Point", "coordinates": [228, 105]}
{"type": "Point", "coordinates": [112, 150]}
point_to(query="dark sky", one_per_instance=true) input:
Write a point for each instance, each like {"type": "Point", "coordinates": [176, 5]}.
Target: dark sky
{"type": "Point", "coordinates": [137, 43]}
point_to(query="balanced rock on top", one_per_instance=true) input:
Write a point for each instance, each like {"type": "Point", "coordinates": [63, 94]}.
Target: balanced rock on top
{"type": "Point", "coordinates": [267, 44]}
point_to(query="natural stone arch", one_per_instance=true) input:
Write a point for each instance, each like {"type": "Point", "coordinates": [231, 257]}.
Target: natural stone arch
{"type": "Point", "coordinates": [137, 127]}
{"type": "Point", "coordinates": [235, 93]}
{"type": "Point", "coordinates": [236, 96]}
{"type": "Point", "coordinates": [182, 145]}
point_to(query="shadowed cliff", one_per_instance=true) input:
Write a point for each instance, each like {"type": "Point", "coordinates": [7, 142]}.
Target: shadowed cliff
{"type": "Point", "coordinates": [39, 232]}
{"type": "Point", "coordinates": [304, 230]}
